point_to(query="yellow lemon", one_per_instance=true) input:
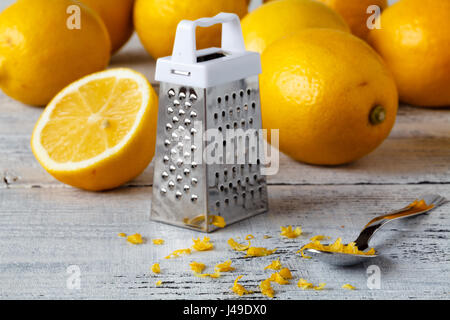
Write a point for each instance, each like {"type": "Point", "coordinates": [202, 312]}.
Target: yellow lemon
{"type": "Point", "coordinates": [414, 40]}
{"type": "Point", "coordinates": [355, 13]}
{"type": "Point", "coordinates": [329, 94]}
{"type": "Point", "coordinates": [278, 19]}
{"type": "Point", "coordinates": [99, 132]}
{"type": "Point", "coordinates": [118, 18]}
{"type": "Point", "coordinates": [156, 21]}
{"type": "Point", "coordinates": [47, 44]}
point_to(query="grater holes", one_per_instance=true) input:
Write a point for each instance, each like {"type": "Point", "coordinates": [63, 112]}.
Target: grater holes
{"type": "Point", "coordinates": [182, 94]}
{"type": "Point", "coordinates": [249, 92]}
{"type": "Point", "coordinates": [233, 95]}
{"type": "Point", "coordinates": [253, 105]}
{"type": "Point", "coordinates": [219, 100]}
{"type": "Point", "coordinates": [241, 93]}
{"type": "Point", "coordinates": [216, 116]}
{"type": "Point", "coordinates": [171, 93]}
{"type": "Point", "coordinates": [192, 95]}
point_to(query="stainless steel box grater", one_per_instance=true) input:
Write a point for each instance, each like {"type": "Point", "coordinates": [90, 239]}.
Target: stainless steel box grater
{"type": "Point", "coordinates": [209, 139]}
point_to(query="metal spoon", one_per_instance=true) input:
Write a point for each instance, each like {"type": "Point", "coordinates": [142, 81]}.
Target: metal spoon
{"type": "Point", "coordinates": [362, 242]}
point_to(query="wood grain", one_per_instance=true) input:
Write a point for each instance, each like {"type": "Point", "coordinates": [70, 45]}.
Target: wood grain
{"type": "Point", "coordinates": [46, 226]}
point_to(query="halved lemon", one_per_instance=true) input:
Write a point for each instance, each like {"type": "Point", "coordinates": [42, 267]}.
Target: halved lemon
{"type": "Point", "coordinates": [100, 131]}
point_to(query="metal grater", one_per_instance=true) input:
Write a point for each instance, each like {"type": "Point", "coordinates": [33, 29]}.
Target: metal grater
{"type": "Point", "coordinates": [204, 94]}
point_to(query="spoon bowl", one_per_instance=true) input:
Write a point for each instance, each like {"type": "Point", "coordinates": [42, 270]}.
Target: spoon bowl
{"type": "Point", "coordinates": [338, 258]}
{"type": "Point", "coordinates": [425, 204]}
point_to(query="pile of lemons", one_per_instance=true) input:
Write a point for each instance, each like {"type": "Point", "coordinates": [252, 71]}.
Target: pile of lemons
{"type": "Point", "coordinates": [330, 84]}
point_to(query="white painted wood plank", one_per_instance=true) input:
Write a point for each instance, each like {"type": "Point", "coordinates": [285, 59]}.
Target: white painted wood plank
{"type": "Point", "coordinates": [413, 154]}
{"type": "Point", "coordinates": [42, 232]}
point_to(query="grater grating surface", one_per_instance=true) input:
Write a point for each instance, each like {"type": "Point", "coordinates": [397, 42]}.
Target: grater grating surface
{"type": "Point", "coordinates": [191, 184]}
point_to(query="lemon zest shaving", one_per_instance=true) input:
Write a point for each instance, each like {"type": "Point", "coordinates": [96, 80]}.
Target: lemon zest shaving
{"type": "Point", "coordinates": [285, 273]}
{"type": "Point", "coordinates": [158, 283]}
{"type": "Point", "coordinates": [348, 287]}
{"type": "Point", "coordinates": [156, 268]}
{"type": "Point", "coordinates": [122, 235]}
{"type": "Point", "coordinates": [259, 252]}
{"type": "Point", "coordinates": [178, 252]}
{"type": "Point", "coordinates": [197, 267]}
{"type": "Point", "coordinates": [237, 246]}
{"type": "Point", "coordinates": [202, 245]}
{"type": "Point", "coordinates": [224, 267]}
{"type": "Point", "coordinates": [337, 246]}
{"type": "Point", "coordinates": [266, 236]}
{"type": "Point", "coordinates": [135, 239]}
{"type": "Point", "coordinates": [319, 238]}
{"type": "Point", "coordinates": [249, 237]}
{"type": "Point", "coordinates": [288, 232]}
{"type": "Point", "coordinates": [158, 241]}
{"type": "Point", "coordinates": [239, 289]}
{"type": "Point", "coordinates": [275, 265]}
{"type": "Point", "coordinates": [303, 284]}
{"type": "Point", "coordinates": [217, 221]}
{"type": "Point", "coordinates": [204, 275]}
{"type": "Point", "coordinates": [266, 288]}
{"type": "Point", "coordinates": [278, 278]}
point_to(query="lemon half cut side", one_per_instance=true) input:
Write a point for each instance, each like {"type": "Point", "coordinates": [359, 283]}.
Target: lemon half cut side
{"type": "Point", "coordinates": [99, 132]}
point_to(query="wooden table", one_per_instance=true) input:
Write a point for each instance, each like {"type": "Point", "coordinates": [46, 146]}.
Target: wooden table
{"type": "Point", "coordinates": [46, 226]}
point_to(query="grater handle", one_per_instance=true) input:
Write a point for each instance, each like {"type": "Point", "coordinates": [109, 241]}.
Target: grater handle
{"type": "Point", "coordinates": [185, 48]}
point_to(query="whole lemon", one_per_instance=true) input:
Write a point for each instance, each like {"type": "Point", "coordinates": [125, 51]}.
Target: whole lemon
{"type": "Point", "coordinates": [414, 40]}
{"type": "Point", "coordinates": [329, 94]}
{"type": "Point", "coordinates": [277, 19]}
{"type": "Point", "coordinates": [43, 48]}
{"type": "Point", "coordinates": [156, 21]}
{"type": "Point", "coordinates": [118, 18]}
{"type": "Point", "coordinates": [355, 13]}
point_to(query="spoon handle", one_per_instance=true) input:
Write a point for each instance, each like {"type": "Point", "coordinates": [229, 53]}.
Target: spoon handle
{"type": "Point", "coordinates": [425, 204]}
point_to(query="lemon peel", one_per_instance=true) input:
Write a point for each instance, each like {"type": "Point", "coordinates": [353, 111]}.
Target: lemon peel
{"type": "Point", "coordinates": [239, 289]}
{"type": "Point", "coordinates": [178, 252]}
{"type": "Point", "coordinates": [303, 284]}
{"type": "Point", "coordinates": [288, 232]}
{"type": "Point", "coordinates": [197, 267]}
{"type": "Point", "coordinates": [266, 288]}
{"type": "Point", "coordinates": [319, 237]}
{"type": "Point", "coordinates": [237, 246]}
{"type": "Point", "coordinates": [224, 267]}
{"type": "Point", "coordinates": [158, 241]}
{"type": "Point", "coordinates": [276, 277]}
{"type": "Point", "coordinates": [204, 275]}
{"type": "Point", "coordinates": [337, 246]}
{"type": "Point", "coordinates": [348, 287]}
{"type": "Point", "coordinates": [202, 245]}
{"type": "Point", "coordinates": [217, 221]}
{"type": "Point", "coordinates": [285, 273]}
{"type": "Point", "coordinates": [275, 265]}
{"type": "Point", "coordinates": [135, 239]}
{"type": "Point", "coordinates": [259, 252]}
{"type": "Point", "coordinates": [156, 268]}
